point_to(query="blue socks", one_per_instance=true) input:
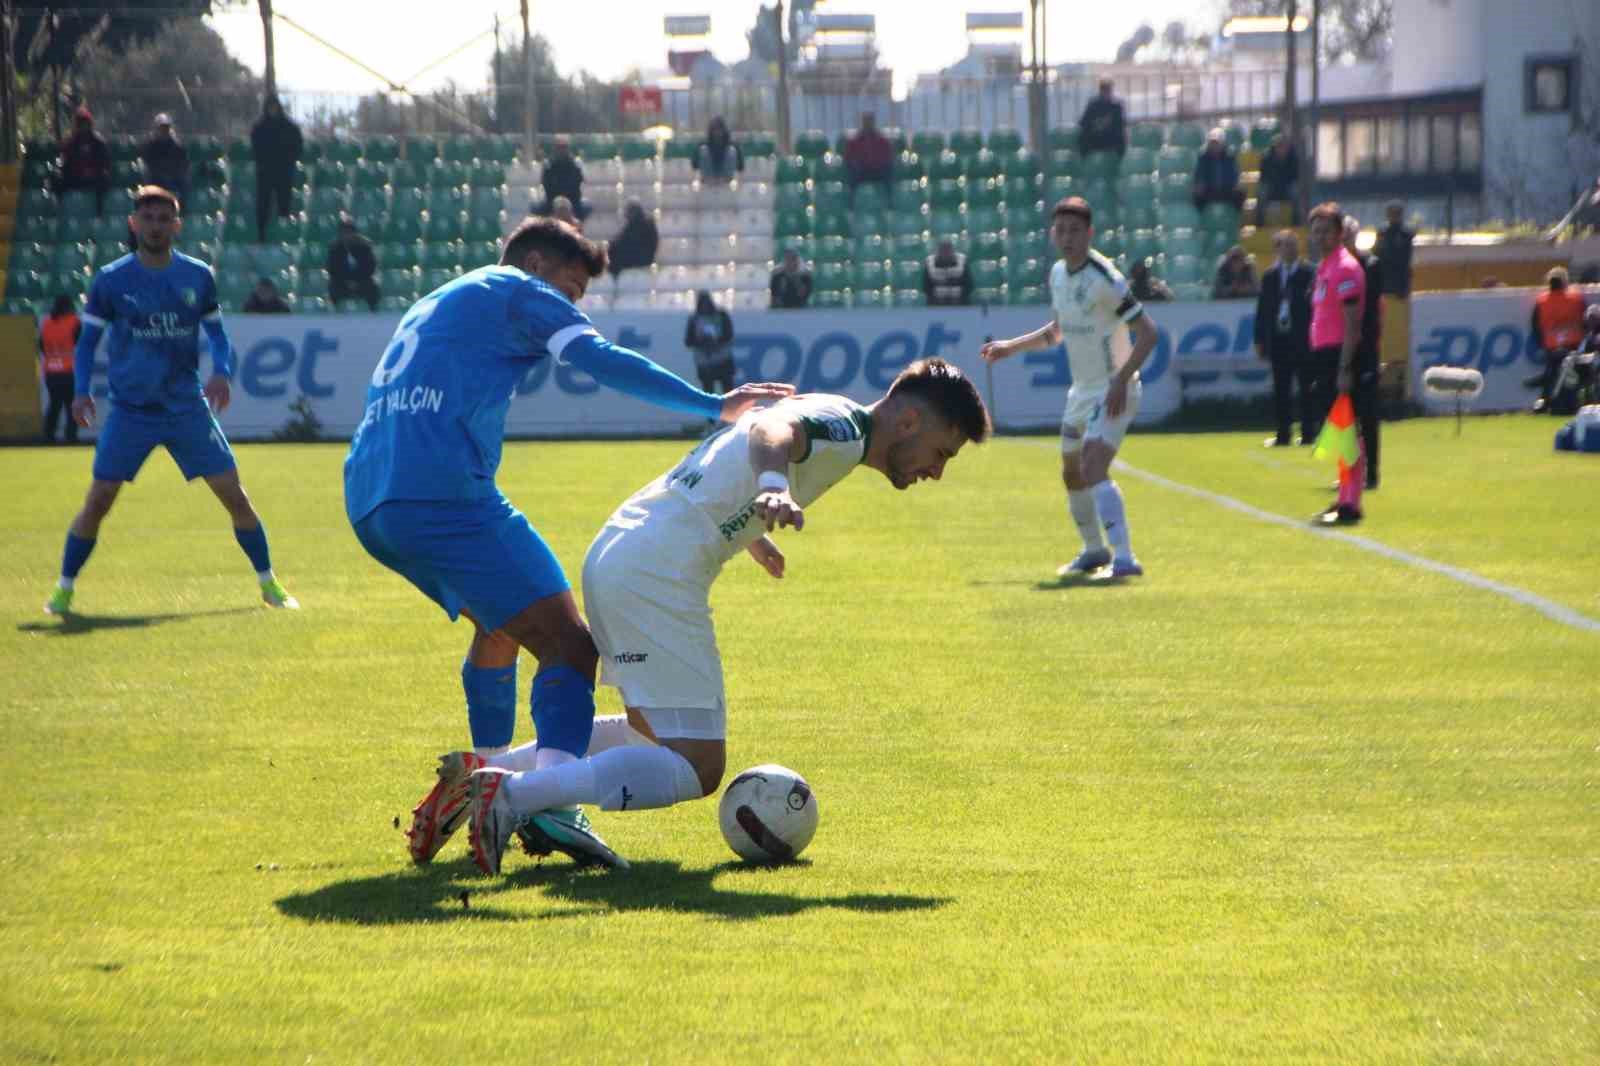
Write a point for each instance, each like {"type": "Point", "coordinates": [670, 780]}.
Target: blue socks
{"type": "Point", "coordinates": [254, 543]}
{"type": "Point", "coordinates": [491, 704]}
{"type": "Point", "coordinates": [75, 554]}
{"type": "Point", "coordinates": [563, 709]}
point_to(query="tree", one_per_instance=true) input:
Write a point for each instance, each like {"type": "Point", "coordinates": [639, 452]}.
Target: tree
{"type": "Point", "coordinates": [1355, 29]}
{"type": "Point", "coordinates": [183, 69]}
{"type": "Point", "coordinates": [47, 40]}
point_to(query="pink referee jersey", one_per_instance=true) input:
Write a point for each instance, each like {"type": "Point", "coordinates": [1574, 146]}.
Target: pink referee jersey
{"type": "Point", "coordinates": [1340, 280]}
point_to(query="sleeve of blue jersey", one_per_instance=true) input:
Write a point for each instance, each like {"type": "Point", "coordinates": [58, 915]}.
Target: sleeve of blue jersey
{"type": "Point", "coordinates": [216, 336]}
{"type": "Point", "coordinates": [96, 316]}
{"type": "Point", "coordinates": [629, 372]}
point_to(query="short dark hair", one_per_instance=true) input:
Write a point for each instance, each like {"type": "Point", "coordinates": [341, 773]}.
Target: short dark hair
{"type": "Point", "coordinates": [155, 194]}
{"type": "Point", "coordinates": [538, 233]}
{"type": "Point", "coordinates": [949, 392]}
{"type": "Point", "coordinates": [1331, 211]}
{"type": "Point", "coordinates": [1075, 206]}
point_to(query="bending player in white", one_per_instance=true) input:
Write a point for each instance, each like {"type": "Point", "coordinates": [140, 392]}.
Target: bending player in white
{"type": "Point", "coordinates": [647, 588]}
{"type": "Point", "coordinates": [1093, 311]}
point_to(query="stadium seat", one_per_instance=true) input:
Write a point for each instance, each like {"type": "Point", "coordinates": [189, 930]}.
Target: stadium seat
{"type": "Point", "coordinates": [870, 246]}
{"type": "Point", "coordinates": [832, 249]}
{"type": "Point", "coordinates": [1021, 219]}
{"type": "Point", "coordinates": [984, 193]}
{"type": "Point", "coordinates": [449, 173]}
{"type": "Point", "coordinates": [460, 150]}
{"type": "Point", "coordinates": [946, 193]}
{"type": "Point", "coordinates": [870, 298]}
{"type": "Point", "coordinates": [792, 169]}
{"type": "Point", "coordinates": [369, 205]}
{"type": "Point", "coordinates": [340, 150]}
{"type": "Point", "coordinates": [381, 149]}
{"type": "Point", "coordinates": [865, 222]}
{"type": "Point", "coordinates": [1175, 189]}
{"type": "Point", "coordinates": [1233, 136]}
{"type": "Point", "coordinates": [909, 196]}
{"type": "Point", "coordinates": [870, 197]}
{"type": "Point", "coordinates": [400, 256]}
{"type": "Point", "coordinates": [944, 223]}
{"type": "Point", "coordinates": [1003, 141]}
{"type": "Point", "coordinates": [423, 150]}
{"type": "Point", "coordinates": [1026, 295]}
{"type": "Point", "coordinates": [1023, 164]}
{"type": "Point", "coordinates": [830, 197]}
{"type": "Point", "coordinates": [927, 143]}
{"type": "Point", "coordinates": [482, 228]}
{"type": "Point", "coordinates": [981, 165]}
{"type": "Point", "coordinates": [945, 166]}
{"type": "Point", "coordinates": [240, 152]}
{"type": "Point", "coordinates": [791, 196]}
{"type": "Point", "coordinates": [909, 166]}
{"type": "Point", "coordinates": [1138, 162]}
{"type": "Point", "coordinates": [1180, 215]}
{"type": "Point", "coordinates": [909, 245]}
{"type": "Point", "coordinates": [870, 274]}
{"type": "Point", "coordinates": [833, 225]}
{"type": "Point", "coordinates": [791, 223]}
{"type": "Point", "coordinates": [1020, 192]}
{"type": "Point", "coordinates": [811, 144]}
{"type": "Point", "coordinates": [987, 244]}
{"type": "Point", "coordinates": [1058, 187]}
{"type": "Point", "coordinates": [1261, 135]}
{"type": "Point", "coordinates": [1187, 135]}
{"type": "Point", "coordinates": [1147, 135]}
{"type": "Point", "coordinates": [829, 167]}
{"type": "Point", "coordinates": [830, 275]}
{"type": "Point", "coordinates": [906, 274]}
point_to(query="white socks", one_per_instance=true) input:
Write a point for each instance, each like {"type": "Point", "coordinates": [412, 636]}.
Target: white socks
{"type": "Point", "coordinates": [1087, 516]}
{"type": "Point", "coordinates": [627, 778]}
{"type": "Point", "coordinates": [1108, 501]}
{"type": "Point", "coordinates": [610, 731]}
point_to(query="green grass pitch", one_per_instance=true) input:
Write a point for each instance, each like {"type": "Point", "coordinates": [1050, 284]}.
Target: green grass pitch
{"type": "Point", "coordinates": [1282, 800]}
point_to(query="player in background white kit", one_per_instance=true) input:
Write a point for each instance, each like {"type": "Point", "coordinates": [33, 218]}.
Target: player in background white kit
{"type": "Point", "coordinates": [1094, 311]}
{"type": "Point", "coordinates": [647, 587]}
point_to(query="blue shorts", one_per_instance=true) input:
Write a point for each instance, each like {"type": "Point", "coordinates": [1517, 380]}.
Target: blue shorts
{"type": "Point", "coordinates": [193, 439]}
{"type": "Point", "coordinates": [477, 555]}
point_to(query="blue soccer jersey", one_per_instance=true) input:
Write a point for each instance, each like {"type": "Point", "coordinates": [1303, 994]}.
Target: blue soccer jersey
{"type": "Point", "coordinates": [437, 402]}
{"type": "Point", "coordinates": [154, 318]}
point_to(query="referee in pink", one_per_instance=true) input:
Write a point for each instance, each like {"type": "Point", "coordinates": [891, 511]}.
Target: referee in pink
{"type": "Point", "coordinates": [1336, 301]}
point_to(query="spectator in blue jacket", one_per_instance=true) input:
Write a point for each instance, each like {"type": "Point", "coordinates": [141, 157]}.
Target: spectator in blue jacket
{"type": "Point", "coordinates": [1216, 175]}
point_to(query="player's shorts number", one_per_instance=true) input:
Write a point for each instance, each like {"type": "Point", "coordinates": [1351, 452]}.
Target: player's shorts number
{"type": "Point", "coordinates": [403, 348]}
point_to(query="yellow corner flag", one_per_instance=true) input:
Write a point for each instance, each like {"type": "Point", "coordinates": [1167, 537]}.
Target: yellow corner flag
{"type": "Point", "coordinates": [1338, 437]}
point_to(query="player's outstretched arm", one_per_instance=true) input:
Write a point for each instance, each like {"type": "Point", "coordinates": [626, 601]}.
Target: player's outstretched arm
{"type": "Point", "coordinates": [775, 442]}
{"type": "Point", "coordinates": [753, 394]}
{"type": "Point", "coordinates": [629, 372]}
{"type": "Point", "coordinates": [1046, 336]}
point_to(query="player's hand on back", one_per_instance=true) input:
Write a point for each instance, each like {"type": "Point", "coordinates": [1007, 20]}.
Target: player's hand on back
{"type": "Point", "coordinates": [768, 554]}
{"type": "Point", "coordinates": [83, 410]}
{"type": "Point", "coordinates": [754, 394]}
{"type": "Point", "coordinates": [778, 509]}
{"type": "Point", "coordinates": [218, 393]}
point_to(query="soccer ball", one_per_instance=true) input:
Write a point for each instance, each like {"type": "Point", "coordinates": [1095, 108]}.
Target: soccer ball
{"type": "Point", "coordinates": [768, 814]}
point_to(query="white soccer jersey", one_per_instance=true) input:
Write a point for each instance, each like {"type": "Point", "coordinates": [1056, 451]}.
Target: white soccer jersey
{"type": "Point", "coordinates": [1093, 307]}
{"type": "Point", "coordinates": [719, 483]}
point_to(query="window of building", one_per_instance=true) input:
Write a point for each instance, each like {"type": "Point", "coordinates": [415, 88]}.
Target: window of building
{"type": "Point", "coordinates": [1471, 154]}
{"type": "Point", "coordinates": [1392, 145]}
{"type": "Point", "coordinates": [1444, 144]}
{"type": "Point", "coordinates": [1330, 150]}
{"type": "Point", "coordinates": [1550, 81]}
{"type": "Point", "coordinates": [1360, 146]}
{"type": "Point", "coordinates": [1417, 145]}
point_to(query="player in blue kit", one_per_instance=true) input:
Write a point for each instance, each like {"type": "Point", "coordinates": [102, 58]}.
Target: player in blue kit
{"type": "Point", "coordinates": [421, 495]}
{"type": "Point", "coordinates": [154, 302]}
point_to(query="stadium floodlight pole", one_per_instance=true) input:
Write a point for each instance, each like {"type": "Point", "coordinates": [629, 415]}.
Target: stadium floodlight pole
{"type": "Point", "coordinates": [530, 102]}
{"type": "Point", "coordinates": [8, 85]}
{"type": "Point", "coordinates": [1313, 118]}
{"type": "Point", "coordinates": [784, 133]}
{"type": "Point", "coordinates": [271, 74]}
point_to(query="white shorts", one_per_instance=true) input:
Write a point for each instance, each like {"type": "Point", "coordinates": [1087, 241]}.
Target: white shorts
{"type": "Point", "coordinates": [1086, 417]}
{"type": "Point", "coordinates": [653, 631]}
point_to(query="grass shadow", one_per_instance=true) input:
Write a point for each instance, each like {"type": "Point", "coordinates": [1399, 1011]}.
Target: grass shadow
{"type": "Point", "coordinates": [74, 624]}
{"type": "Point", "coordinates": [454, 891]}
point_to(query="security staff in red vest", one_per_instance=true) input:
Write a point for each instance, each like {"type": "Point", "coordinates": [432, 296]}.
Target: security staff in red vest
{"type": "Point", "coordinates": [58, 335]}
{"type": "Point", "coordinates": [1557, 330]}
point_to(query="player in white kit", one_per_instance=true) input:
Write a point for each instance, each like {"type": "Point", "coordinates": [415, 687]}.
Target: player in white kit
{"type": "Point", "coordinates": [647, 587]}
{"type": "Point", "coordinates": [1094, 311]}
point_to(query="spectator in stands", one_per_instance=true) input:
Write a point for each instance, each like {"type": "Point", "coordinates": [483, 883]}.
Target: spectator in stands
{"type": "Point", "coordinates": [277, 143]}
{"type": "Point", "coordinates": [1102, 127]}
{"type": "Point", "coordinates": [58, 341]}
{"type": "Point", "coordinates": [636, 245]}
{"type": "Point", "coordinates": [1145, 286]}
{"type": "Point", "coordinates": [718, 159]}
{"type": "Point", "coordinates": [166, 160]}
{"type": "Point", "coordinates": [265, 299]}
{"type": "Point", "coordinates": [1280, 179]}
{"type": "Point", "coordinates": [1394, 252]}
{"type": "Point", "coordinates": [946, 278]}
{"type": "Point", "coordinates": [1236, 276]}
{"type": "Point", "coordinates": [709, 336]}
{"type": "Point", "coordinates": [563, 177]}
{"type": "Point", "coordinates": [791, 282]}
{"type": "Point", "coordinates": [1283, 337]}
{"type": "Point", "coordinates": [1557, 331]}
{"type": "Point", "coordinates": [351, 266]}
{"type": "Point", "coordinates": [561, 208]}
{"type": "Point", "coordinates": [1216, 174]}
{"type": "Point", "coordinates": [85, 161]}
{"type": "Point", "coordinates": [869, 155]}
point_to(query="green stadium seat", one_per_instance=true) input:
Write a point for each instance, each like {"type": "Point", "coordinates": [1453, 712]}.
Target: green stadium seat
{"type": "Point", "coordinates": [369, 205]}
{"type": "Point", "coordinates": [909, 166]}
{"type": "Point", "coordinates": [909, 245]}
{"type": "Point", "coordinates": [370, 176]}
{"type": "Point", "coordinates": [984, 193]}
{"type": "Point", "coordinates": [793, 222]}
{"type": "Point", "coordinates": [432, 279]}
{"type": "Point", "coordinates": [1175, 189]}
{"type": "Point", "coordinates": [240, 226]}
{"type": "Point", "coordinates": [830, 197]}
{"type": "Point", "coordinates": [460, 150]}
{"type": "Point", "coordinates": [831, 275]}
{"type": "Point", "coordinates": [1138, 190]}
{"type": "Point", "coordinates": [1108, 241]}
{"type": "Point", "coordinates": [906, 274]}
{"type": "Point", "coordinates": [635, 149]}
{"type": "Point", "coordinates": [1261, 135]}
{"type": "Point", "coordinates": [1137, 217]}
{"type": "Point", "coordinates": [1020, 191]}
{"type": "Point", "coordinates": [1187, 135]}
{"type": "Point", "coordinates": [988, 296]}
{"type": "Point", "coordinates": [1106, 166]}
{"type": "Point", "coordinates": [981, 165]}
{"type": "Point", "coordinates": [381, 149]}
{"type": "Point", "coordinates": [829, 167]}
{"type": "Point", "coordinates": [445, 226]}
{"type": "Point", "coordinates": [987, 244]}
{"type": "Point", "coordinates": [1063, 162]}
{"type": "Point", "coordinates": [1142, 244]}
{"type": "Point", "coordinates": [945, 166]}
{"type": "Point", "coordinates": [1023, 164]}
{"type": "Point", "coordinates": [832, 248]}
{"type": "Point", "coordinates": [1059, 187]}
{"type": "Point", "coordinates": [1233, 136]}
{"type": "Point", "coordinates": [486, 174]}
{"type": "Point", "coordinates": [1147, 135]}
{"type": "Point", "coordinates": [927, 143]}
{"type": "Point", "coordinates": [1182, 243]}
{"type": "Point", "coordinates": [1026, 270]}
{"type": "Point", "coordinates": [833, 225]}
{"type": "Point", "coordinates": [1173, 160]}
{"type": "Point", "coordinates": [870, 245]}
{"type": "Point", "coordinates": [966, 142]}
{"type": "Point", "coordinates": [484, 148]}
{"type": "Point", "coordinates": [1183, 269]}
{"type": "Point", "coordinates": [811, 144]}
{"type": "Point", "coordinates": [408, 200]}
{"type": "Point", "coordinates": [394, 303]}
{"type": "Point", "coordinates": [34, 257]}
{"type": "Point", "coordinates": [871, 196]}
{"type": "Point", "coordinates": [1026, 295]}
{"type": "Point", "coordinates": [399, 229]}
{"type": "Point", "coordinates": [1062, 137]}
{"type": "Point", "coordinates": [1138, 162]}
{"type": "Point", "coordinates": [1003, 141]}
{"type": "Point", "coordinates": [449, 174]}
{"type": "Point", "coordinates": [1021, 219]}
{"type": "Point", "coordinates": [326, 199]}
{"type": "Point", "coordinates": [908, 297]}
{"type": "Point", "coordinates": [909, 196]}
{"type": "Point", "coordinates": [988, 273]}
{"type": "Point", "coordinates": [328, 173]}
{"type": "Point", "coordinates": [792, 169]}
{"type": "Point", "coordinates": [502, 150]}
{"type": "Point", "coordinates": [487, 200]}
{"type": "Point", "coordinates": [203, 202]}
{"type": "Point", "coordinates": [421, 149]}
{"type": "Point", "coordinates": [758, 146]}
{"type": "Point", "coordinates": [1180, 215]}
{"type": "Point", "coordinates": [481, 228]}
{"type": "Point", "coordinates": [411, 173]}
{"type": "Point", "coordinates": [341, 150]}
{"type": "Point", "coordinates": [447, 198]}
{"type": "Point", "coordinates": [870, 274]}
{"type": "Point", "coordinates": [400, 256]}
{"type": "Point", "coordinates": [946, 193]}
{"type": "Point", "coordinates": [240, 152]}
{"type": "Point", "coordinates": [831, 298]}
{"type": "Point", "coordinates": [791, 196]}
{"type": "Point", "coordinates": [944, 222]}
{"type": "Point", "coordinates": [1220, 217]}
{"type": "Point", "coordinates": [863, 223]}
{"type": "Point", "coordinates": [878, 298]}
{"type": "Point", "coordinates": [444, 255]}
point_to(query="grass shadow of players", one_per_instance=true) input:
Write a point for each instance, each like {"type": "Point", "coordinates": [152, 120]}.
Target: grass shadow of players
{"type": "Point", "coordinates": [434, 893]}
{"type": "Point", "coordinates": [72, 625]}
